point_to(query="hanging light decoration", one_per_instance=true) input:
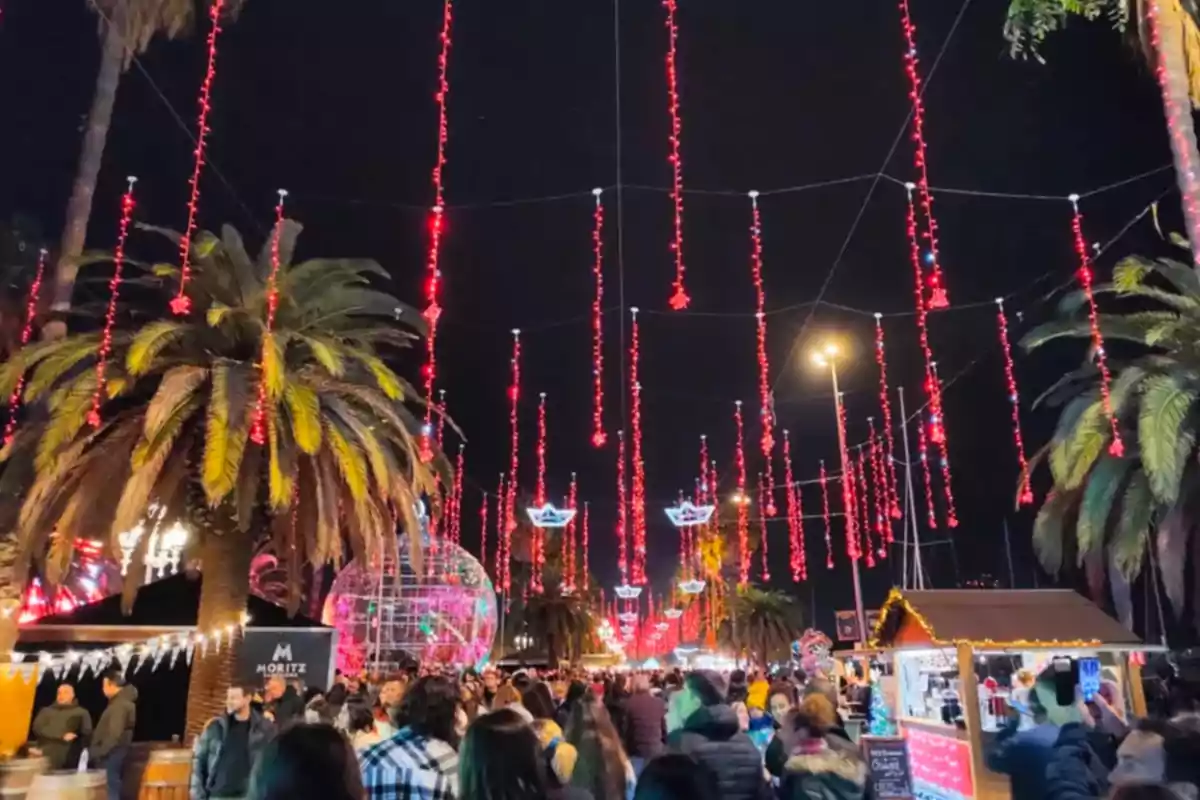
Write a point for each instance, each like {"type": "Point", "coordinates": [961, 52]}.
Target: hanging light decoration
{"type": "Point", "coordinates": [883, 519]}
{"type": "Point", "coordinates": [433, 272]}
{"type": "Point", "coordinates": [599, 437]}
{"type": "Point", "coordinates": [944, 457]}
{"type": "Point", "coordinates": [541, 451]}
{"type": "Point", "coordinates": [862, 514]}
{"type": "Point", "coordinates": [456, 496]}
{"type": "Point", "coordinates": [114, 292]}
{"type": "Point", "coordinates": [182, 304]}
{"type": "Point", "coordinates": [923, 457]}
{"type": "Point", "coordinates": [742, 501]}
{"type": "Point", "coordinates": [1116, 447]}
{"type": "Point", "coordinates": [622, 512]}
{"type": "Point", "coordinates": [568, 542]}
{"type": "Point", "coordinates": [824, 481]}
{"type": "Point", "coordinates": [935, 284]}
{"type": "Point", "coordinates": [510, 502]}
{"type": "Point", "coordinates": [797, 559]}
{"type": "Point", "coordinates": [639, 467]}
{"type": "Point", "coordinates": [1025, 495]}
{"type": "Point", "coordinates": [885, 405]}
{"type": "Point", "coordinates": [258, 428]}
{"type": "Point", "coordinates": [679, 296]}
{"type": "Point", "coordinates": [849, 502]}
{"type": "Point", "coordinates": [501, 540]}
{"type": "Point", "coordinates": [440, 436]}
{"type": "Point", "coordinates": [762, 521]}
{"type": "Point", "coordinates": [765, 413]}
{"type": "Point", "coordinates": [483, 525]}
{"type": "Point", "coordinates": [583, 559]}
{"type": "Point", "coordinates": [31, 303]}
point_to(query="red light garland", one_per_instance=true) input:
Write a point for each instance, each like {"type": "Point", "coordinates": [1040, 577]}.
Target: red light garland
{"type": "Point", "coordinates": [541, 452]}
{"type": "Point", "coordinates": [863, 507]}
{"type": "Point", "coordinates": [433, 310]}
{"type": "Point", "coordinates": [622, 512]}
{"type": "Point", "coordinates": [795, 517]}
{"type": "Point", "coordinates": [937, 290]}
{"type": "Point", "coordinates": [1084, 274]}
{"type": "Point", "coordinates": [923, 455]}
{"type": "Point", "coordinates": [823, 479]}
{"type": "Point", "coordinates": [583, 550]}
{"type": "Point", "coordinates": [501, 556]}
{"type": "Point", "coordinates": [182, 304]}
{"type": "Point", "coordinates": [766, 569]}
{"type": "Point", "coordinates": [883, 520]}
{"type": "Point", "coordinates": [510, 501]}
{"type": "Point", "coordinates": [944, 456]}
{"type": "Point", "coordinates": [457, 496]}
{"type": "Point", "coordinates": [35, 291]}
{"type": "Point", "coordinates": [766, 417]}
{"type": "Point", "coordinates": [569, 539]}
{"type": "Point", "coordinates": [887, 443]}
{"type": "Point", "coordinates": [679, 296]}
{"type": "Point", "coordinates": [1025, 496]}
{"type": "Point", "coordinates": [258, 428]}
{"type": "Point", "coordinates": [743, 533]}
{"type": "Point", "coordinates": [638, 497]}
{"type": "Point", "coordinates": [441, 423]}
{"type": "Point", "coordinates": [849, 502]}
{"type": "Point", "coordinates": [114, 292]}
{"type": "Point", "coordinates": [483, 525]}
{"type": "Point", "coordinates": [599, 437]}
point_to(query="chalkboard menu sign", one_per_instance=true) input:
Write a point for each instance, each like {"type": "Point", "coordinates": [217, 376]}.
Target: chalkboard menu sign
{"type": "Point", "coordinates": [887, 757]}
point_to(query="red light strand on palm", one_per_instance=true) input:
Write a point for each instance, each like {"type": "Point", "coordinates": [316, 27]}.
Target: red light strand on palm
{"type": "Point", "coordinates": [258, 428]}
{"type": "Point", "coordinates": [31, 303]}
{"type": "Point", "coordinates": [110, 315]}
{"type": "Point", "coordinates": [797, 559]}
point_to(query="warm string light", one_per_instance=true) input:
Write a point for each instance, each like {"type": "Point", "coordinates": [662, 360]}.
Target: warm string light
{"type": "Point", "coordinates": [863, 507]}
{"type": "Point", "coordinates": [182, 304]}
{"type": "Point", "coordinates": [685, 537]}
{"type": "Point", "coordinates": [441, 414]}
{"type": "Point", "coordinates": [943, 453]}
{"type": "Point", "coordinates": [1025, 495]}
{"type": "Point", "coordinates": [433, 272]}
{"type": "Point", "coordinates": [679, 296]}
{"type": "Point", "coordinates": [501, 556]}
{"type": "Point", "coordinates": [457, 496]}
{"type": "Point", "coordinates": [583, 550]}
{"type": "Point", "coordinates": [1084, 274]}
{"type": "Point", "coordinates": [765, 413]}
{"type": "Point", "coordinates": [885, 405]}
{"type": "Point", "coordinates": [31, 302]}
{"type": "Point", "coordinates": [849, 502]}
{"type": "Point", "coordinates": [638, 494]}
{"type": "Point", "coordinates": [883, 520]}
{"type": "Point", "coordinates": [483, 526]}
{"type": "Point", "coordinates": [599, 437]}
{"type": "Point", "coordinates": [923, 456]}
{"type": "Point", "coordinates": [743, 533]}
{"type": "Point", "coordinates": [569, 537]}
{"type": "Point", "coordinates": [510, 518]}
{"type": "Point", "coordinates": [1178, 109]}
{"type": "Point", "coordinates": [114, 292]}
{"type": "Point", "coordinates": [797, 559]}
{"type": "Point", "coordinates": [258, 428]}
{"type": "Point", "coordinates": [823, 479]}
{"type": "Point", "coordinates": [937, 291]}
{"type": "Point", "coordinates": [541, 451]}
{"type": "Point", "coordinates": [622, 512]}
{"type": "Point", "coordinates": [762, 522]}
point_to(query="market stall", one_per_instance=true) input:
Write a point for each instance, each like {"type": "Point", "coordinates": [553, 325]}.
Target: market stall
{"type": "Point", "coordinates": [962, 658]}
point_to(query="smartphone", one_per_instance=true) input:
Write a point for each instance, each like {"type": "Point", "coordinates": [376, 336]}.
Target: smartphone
{"type": "Point", "coordinates": [1065, 680]}
{"type": "Point", "coordinates": [1089, 678]}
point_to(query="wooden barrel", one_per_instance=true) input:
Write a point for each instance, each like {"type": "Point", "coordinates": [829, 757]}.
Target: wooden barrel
{"type": "Point", "coordinates": [17, 774]}
{"type": "Point", "coordinates": [166, 775]}
{"type": "Point", "coordinates": [69, 785]}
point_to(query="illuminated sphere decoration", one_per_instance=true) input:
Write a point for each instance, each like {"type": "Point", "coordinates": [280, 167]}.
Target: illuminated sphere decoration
{"type": "Point", "coordinates": [388, 618]}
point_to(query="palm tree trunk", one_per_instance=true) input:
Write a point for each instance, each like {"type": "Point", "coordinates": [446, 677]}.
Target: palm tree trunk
{"type": "Point", "coordinates": [1170, 57]}
{"type": "Point", "coordinates": [225, 562]}
{"type": "Point", "coordinates": [10, 593]}
{"type": "Point", "coordinates": [91, 156]}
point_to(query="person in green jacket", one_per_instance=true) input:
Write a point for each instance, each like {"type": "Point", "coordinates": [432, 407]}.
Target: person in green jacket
{"type": "Point", "coordinates": [114, 732]}
{"type": "Point", "coordinates": [61, 731]}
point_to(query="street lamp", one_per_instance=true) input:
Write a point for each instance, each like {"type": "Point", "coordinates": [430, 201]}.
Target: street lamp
{"type": "Point", "coordinates": [827, 357]}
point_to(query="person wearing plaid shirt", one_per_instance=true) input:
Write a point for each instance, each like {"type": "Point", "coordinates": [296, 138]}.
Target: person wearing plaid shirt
{"type": "Point", "coordinates": [419, 762]}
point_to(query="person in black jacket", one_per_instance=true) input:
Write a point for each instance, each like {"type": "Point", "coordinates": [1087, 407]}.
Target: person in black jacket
{"type": "Point", "coordinates": [226, 753]}
{"type": "Point", "coordinates": [703, 726]}
{"type": "Point", "coordinates": [645, 723]}
{"type": "Point", "coordinates": [282, 703]}
{"type": "Point", "coordinates": [114, 732]}
{"type": "Point", "coordinates": [61, 731]}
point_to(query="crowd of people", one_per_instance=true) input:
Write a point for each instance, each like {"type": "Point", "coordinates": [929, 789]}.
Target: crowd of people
{"type": "Point", "coordinates": [432, 735]}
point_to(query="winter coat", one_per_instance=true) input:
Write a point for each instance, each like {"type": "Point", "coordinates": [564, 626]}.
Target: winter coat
{"type": "Point", "coordinates": [54, 722]}
{"type": "Point", "coordinates": [287, 708]}
{"type": "Point", "coordinates": [1024, 757]}
{"type": "Point", "coordinates": [207, 751]}
{"type": "Point", "coordinates": [818, 684]}
{"type": "Point", "coordinates": [824, 774]}
{"type": "Point", "coordinates": [115, 728]}
{"type": "Point", "coordinates": [1079, 764]}
{"type": "Point", "coordinates": [711, 736]}
{"type": "Point", "coordinates": [645, 725]}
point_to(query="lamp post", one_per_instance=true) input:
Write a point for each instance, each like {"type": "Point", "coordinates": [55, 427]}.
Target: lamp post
{"type": "Point", "coordinates": [827, 356]}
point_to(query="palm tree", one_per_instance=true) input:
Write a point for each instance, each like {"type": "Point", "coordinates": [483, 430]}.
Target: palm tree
{"type": "Point", "coordinates": [1105, 510]}
{"type": "Point", "coordinates": [339, 463]}
{"type": "Point", "coordinates": [763, 621]}
{"type": "Point", "coordinates": [127, 28]}
{"type": "Point", "coordinates": [1175, 51]}
{"type": "Point", "coordinates": [558, 620]}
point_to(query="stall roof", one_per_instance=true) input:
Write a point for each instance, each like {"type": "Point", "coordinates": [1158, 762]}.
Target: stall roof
{"type": "Point", "coordinates": [998, 618]}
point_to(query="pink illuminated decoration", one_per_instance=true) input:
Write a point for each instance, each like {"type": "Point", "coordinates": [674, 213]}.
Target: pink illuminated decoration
{"type": "Point", "coordinates": [114, 293]}
{"type": "Point", "coordinates": [742, 500]}
{"type": "Point", "coordinates": [258, 428]}
{"type": "Point", "coordinates": [456, 497]}
{"type": "Point", "coordinates": [1025, 493]}
{"type": "Point", "coordinates": [510, 501]}
{"type": "Point", "coordinates": [762, 522]}
{"type": "Point", "coordinates": [885, 406]}
{"type": "Point", "coordinates": [923, 457]}
{"type": "Point", "coordinates": [31, 302]}
{"type": "Point", "coordinates": [879, 486]}
{"type": "Point", "coordinates": [502, 555]}
{"type": "Point", "coordinates": [825, 514]}
{"type": "Point", "coordinates": [622, 512]}
{"type": "Point", "coordinates": [90, 577]}
{"type": "Point", "coordinates": [863, 507]}
{"type": "Point", "coordinates": [941, 765]}
{"type": "Point", "coordinates": [679, 296]}
{"type": "Point", "coordinates": [182, 304]}
{"type": "Point", "coordinates": [599, 437]}
{"type": "Point", "coordinates": [765, 414]}
{"type": "Point", "coordinates": [637, 464]}
{"type": "Point", "coordinates": [568, 541]}
{"type": "Point", "coordinates": [686, 514]}
{"type": "Point", "coordinates": [797, 558]}
{"type": "Point", "coordinates": [849, 502]}
{"type": "Point", "coordinates": [584, 565]}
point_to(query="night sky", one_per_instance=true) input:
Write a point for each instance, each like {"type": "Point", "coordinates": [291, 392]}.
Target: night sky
{"type": "Point", "coordinates": [335, 102]}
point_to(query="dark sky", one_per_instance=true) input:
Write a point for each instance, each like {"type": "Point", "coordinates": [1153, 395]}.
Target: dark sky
{"type": "Point", "coordinates": [334, 101]}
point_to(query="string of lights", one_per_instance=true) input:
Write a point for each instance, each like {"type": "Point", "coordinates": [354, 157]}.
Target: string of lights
{"type": "Point", "coordinates": [849, 502]}
{"type": "Point", "coordinates": [765, 415]}
{"type": "Point", "coordinates": [114, 292]}
{"type": "Point", "coordinates": [31, 303]}
{"type": "Point", "coordinates": [862, 507]}
{"type": "Point", "coordinates": [927, 472]}
{"type": "Point", "coordinates": [796, 557]}
{"type": "Point", "coordinates": [510, 519]}
{"type": "Point", "coordinates": [943, 448]}
{"type": "Point", "coordinates": [622, 513]}
{"type": "Point", "coordinates": [483, 526]}
{"type": "Point", "coordinates": [584, 563]}
{"type": "Point", "coordinates": [762, 492]}
{"type": "Point", "coordinates": [598, 435]}
{"type": "Point", "coordinates": [540, 500]}
{"type": "Point", "coordinates": [743, 532]}
{"type": "Point", "coordinates": [258, 428]}
{"type": "Point", "coordinates": [1025, 494]}
{"type": "Point", "coordinates": [569, 537]}
{"type": "Point", "coordinates": [502, 540]}
{"type": "Point", "coordinates": [182, 304]}
{"type": "Point", "coordinates": [679, 296]}
{"type": "Point", "coordinates": [880, 519]}
{"type": "Point", "coordinates": [638, 494]}
{"type": "Point", "coordinates": [440, 436]}
{"type": "Point", "coordinates": [885, 405]}
{"type": "Point", "coordinates": [456, 497]}
{"type": "Point", "coordinates": [825, 515]}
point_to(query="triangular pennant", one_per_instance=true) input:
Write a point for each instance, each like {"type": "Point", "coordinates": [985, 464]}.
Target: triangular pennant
{"type": "Point", "coordinates": [174, 656]}
{"type": "Point", "coordinates": [189, 650]}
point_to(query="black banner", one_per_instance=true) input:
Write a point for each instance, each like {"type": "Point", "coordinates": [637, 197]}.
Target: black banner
{"type": "Point", "coordinates": [305, 654]}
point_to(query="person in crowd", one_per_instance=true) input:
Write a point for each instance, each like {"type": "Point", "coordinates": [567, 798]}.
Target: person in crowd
{"type": "Point", "coordinates": [760, 726]}
{"type": "Point", "coordinates": [671, 684]}
{"type": "Point", "coordinates": [814, 769]}
{"type": "Point", "coordinates": [645, 723]}
{"type": "Point", "coordinates": [61, 731]}
{"type": "Point", "coordinates": [559, 754]}
{"type": "Point", "coordinates": [1082, 756]}
{"type": "Point", "coordinates": [391, 692]}
{"type": "Point", "coordinates": [507, 696]}
{"type": "Point", "coordinates": [1146, 791]}
{"type": "Point", "coordinates": [282, 704]}
{"type": "Point", "coordinates": [224, 755]}
{"type": "Point", "coordinates": [704, 726]}
{"type": "Point", "coordinates": [538, 701]}
{"type": "Point", "coordinates": [491, 685]}
{"type": "Point", "coordinates": [307, 762]}
{"type": "Point", "coordinates": [602, 767]}
{"type": "Point", "coordinates": [575, 693]}
{"type": "Point", "coordinates": [737, 687]}
{"type": "Point", "coordinates": [614, 699]}
{"type": "Point", "coordinates": [363, 728]}
{"type": "Point", "coordinates": [470, 692]}
{"type": "Point", "coordinates": [820, 683]}
{"type": "Point", "coordinates": [756, 691]}
{"type": "Point", "coordinates": [1024, 747]}
{"type": "Point", "coordinates": [502, 760]}
{"type": "Point", "coordinates": [113, 733]}
{"type": "Point", "coordinates": [781, 698]}
{"type": "Point", "coordinates": [743, 715]}
{"type": "Point", "coordinates": [419, 762]}
{"type": "Point", "coordinates": [674, 776]}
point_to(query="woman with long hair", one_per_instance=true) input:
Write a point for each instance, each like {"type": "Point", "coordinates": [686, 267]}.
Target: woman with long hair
{"type": "Point", "coordinates": [501, 759]}
{"type": "Point", "coordinates": [539, 701]}
{"type": "Point", "coordinates": [307, 762]}
{"type": "Point", "coordinates": [602, 767]}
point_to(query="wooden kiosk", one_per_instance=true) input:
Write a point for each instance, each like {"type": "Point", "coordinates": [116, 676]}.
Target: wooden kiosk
{"type": "Point", "coordinates": [960, 654]}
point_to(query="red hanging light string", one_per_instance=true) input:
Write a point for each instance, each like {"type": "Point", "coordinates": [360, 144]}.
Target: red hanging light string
{"type": "Point", "coordinates": [433, 272]}
{"type": "Point", "coordinates": [796, 557]}
{"type": "Point", "coordinates": [887, 442]}
{"type": "Point", "coordinates": [824, 481]}
{"type": "Point", "coordinates": [541, 451]}
{"type": "Point", "coordinates": [943, 453]}
{"type": "Point", "coordinates": [31, 302]}
{"type": "Point", "coordinates": [501, 555]}
{"type": "Point", "coordinates": [702, 496]}
{"type": "Point", "coordinates": [622, 512]}
{"type": "Point", "coordinates": [459, 469]}
{"type": "Point", "coordinates": [584, 567]}
{"type": "Point", "coordinates": [765, 413]}
{"type": "Point", "coordinates": [1085, 277]}
{"type": "Point", "coordinates": [258, 428]}
{"type": "Point", "coordinates": [1025, 495]}
{"type": "Point", "coordinates": [599, 437]}
{"type": "Point", "coordinates": [114, 293]}
{"type": "Point", "coordinates": [849, 502]}
{"type": "Point", "coordinates": [762, 522]}
{"type": "Point", "coordinates": [923, 456]}
{"type": "Point", "coordinates": [510, 502]}
{"type": "Point", "coordinates": [441, 421]}
{"type": "Point", "coordinates": [743, 526]}
{"type": "Point", "coordinates": [182, 304]}
{"type": "Point", "coordinates": [679, 296]}
{"type": "Point", "coordinates": [879, 479]}
{"type": "Point", "coordinates": [639, 469]}
{"type": "Point", "coordinates": [863, 507]}
{"type": "Point", "coordinates": [935, 284]}
{"type": "Point", "coordinates": [569, 537]}
{"type": "Point", "coordinates": [483, 526]}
